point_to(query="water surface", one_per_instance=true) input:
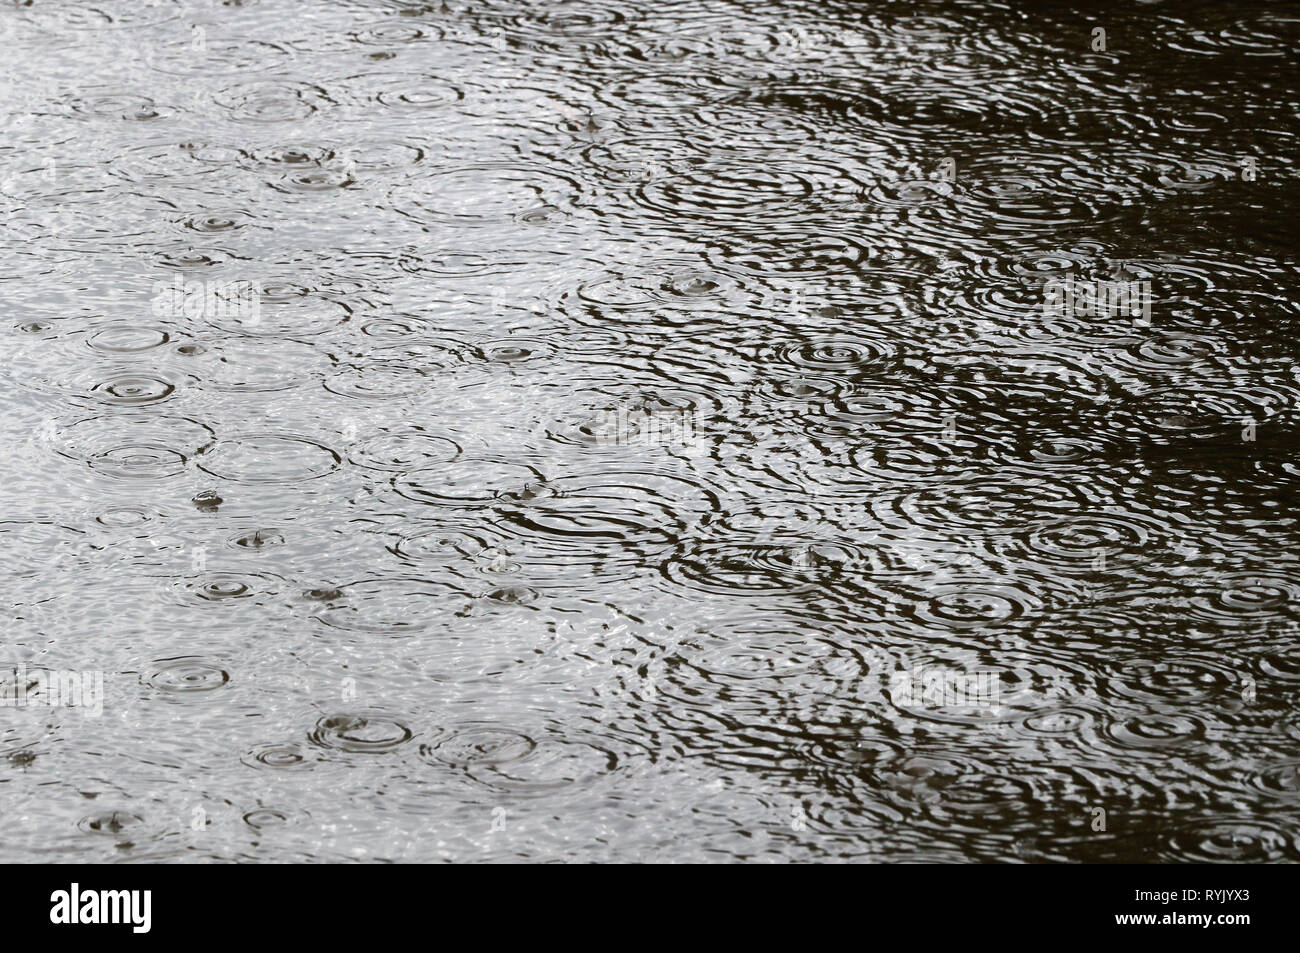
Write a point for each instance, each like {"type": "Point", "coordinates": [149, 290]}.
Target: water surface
{"type": "Point", "coordinates": [576, 430]}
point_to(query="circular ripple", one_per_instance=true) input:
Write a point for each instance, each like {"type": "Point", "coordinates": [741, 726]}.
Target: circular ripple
{"type": "Point", "coordinates": [1058, 263]}
{"type": "Point", "coordinates": [393, 606]}
{"type": "Point", "coordinates": [1155, 731]}
{"type": "Point", "coordinates": [974, 605]}
{"type": "Point", "coordinates": [387, 155]}
{"type": "Point", "coordinates": [445, 545]}
{"type": "Point", "coordinates": [483, 194]}
{"type": "Point", "coordinates": [1284, 665]}
{"type": "Point", "coordinates": [216, 221]}
{"type": "Point", "coordinates": [133, 389]}
{"type": "Point", "coordinates": [612, 424]}
{"type": "Point", "coordinates": [1018, 203]}
{"type": "Point", "coordinates": [188, 258]}
{"type": "Point", "coordinates": [110, 823]}
{"type": "Point", "coordinates": [1062, 450]}
{"type": "Point", "coordinates": [314, 180]}
{"type": "Point", "coordinates": [380, 381]}
{"type": "Point", "coordinates": [1192, 176]}
{"type": "Point", "coordinates": [186, 675]}
{"type": "Point", "coordinates": [805, 390]}
{"type": "Point", "coordinates": [794, 252]}
{"type": "Point", "coordinates": [385, 33]}
{"type": "Point", "coordinates": [134, 446]}
{"type": "Point", "coordinates": [1279, 780]}
{"type": "Point", "coordinates": [283, 311]}
{"type": "Point", "coordinates": [258, 539]}
{"type": "Point", "coordinates": [1185, 410]}
{"type": "Point", "coordinates": [908, 193]}
{"type": "Point", "coordinates": [954, 786]}
{"type": "Point", "coordinates": [605, 507]}
{"type": "Point", "coordinates": [223, 588]}
{"type": "Point", "coordinates": [1174, 351]}
{"type": "Point", "coordinates": [564, 19]}
{"type": "Point", "coordinates": [480, 746]}
{"type": "Point", "coordinates": [138, 462]}
{"type": "Point", "coordinates": [116, 105]}
{"type": "Point", "coordinates": [126, 339]}
{"type": "Point", "coordinates": [551, 765]}
{"type": "Point", "coordinates": [289, 157]}
{"type": "Point", "coordinates": [512, 350]}
{"type": "Point", "coordinates": [465, 482]}
{"type": "Point", "coordinates": [268, 101]}
{"type": "Point", "coordinates": [770, 568]}
{"type": "Point", "coordinates": [251, 365]}
{"type": "Point", "coordinates": [980, 505]}
{"type": "Point", "coordinates": [1230, 841]}
{"type": "Point", "coordinates": [642, 293]}
{"type": "Point", "coordinates": [840, 353]}
{"type": "Point", "coordinates": [758, 649]}
{"type": "Point", "coordinates": [265, 817]}
{"type": "Point", "coordinates": [1092, 542]}
{"type": "Point", "coordinates": [400, 451]}
{"type": "Point", "coordinates": [1182, 682]}
{"type": "Point", "coordinates": [363, 732]}
{"type": "Point", "coordinates": [1247, 598]}
{"type": "Point", "coordinates": [397, 329]}
{"type": "Point", "coordinates": [410, 92]}
{"type": "Point", "coordinates": [31, 548]}
{"type": "Point", "coordinates": [284, 756]}
{"type": "Point", "coordinates": [124, 517]}
{"type": "Point", "coordinates": [713, 191]}
{"type": "Point", "coordinates": [1061, 723]}
{"type": "Point", "coordinates": [173, 161]}
{"type": "Point", "coordinates": [221, 56]}
{"type": "Point", "coordinates": [268, 458]}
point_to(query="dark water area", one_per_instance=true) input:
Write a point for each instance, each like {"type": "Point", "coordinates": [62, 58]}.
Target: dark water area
{"type": "Point", "coordinates": [678, 431]}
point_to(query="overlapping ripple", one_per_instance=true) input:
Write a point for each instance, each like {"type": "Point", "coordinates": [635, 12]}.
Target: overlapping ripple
{"type": "Point", "coordinates": [650, 429]}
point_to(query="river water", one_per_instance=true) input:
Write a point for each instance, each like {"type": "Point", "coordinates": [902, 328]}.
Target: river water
{"type": "Point", "coordinates": [685, 430]}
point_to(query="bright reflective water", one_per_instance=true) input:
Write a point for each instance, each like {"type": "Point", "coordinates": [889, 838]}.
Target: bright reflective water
{"type": "Point", "coordinates": [653, 431]}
